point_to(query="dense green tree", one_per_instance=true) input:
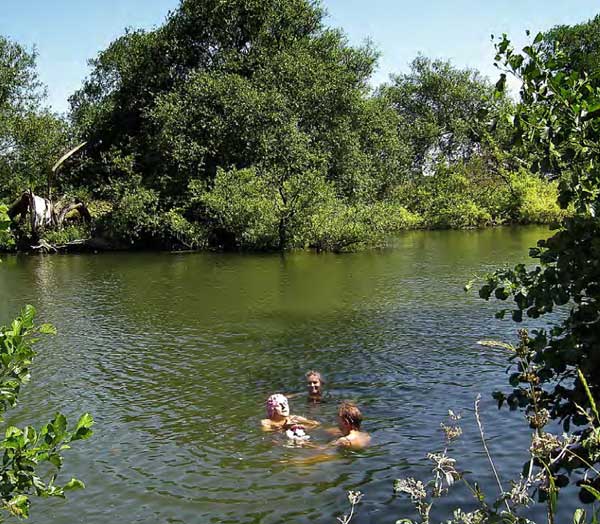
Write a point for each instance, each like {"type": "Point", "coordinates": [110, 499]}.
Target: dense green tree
{"type": "Point", "coordinates": [445, 112]}
{"type": "Point", "coordinates": [579, 44]}
{"type": "Point", "coordinates": [19, 87]}
{"type": "Point", "coordinates": [31, 137]}
{"type": "Point", "coordinates": [238, 85]}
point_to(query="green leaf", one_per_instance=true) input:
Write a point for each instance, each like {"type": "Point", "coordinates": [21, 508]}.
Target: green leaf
{"type": "Point", "coordinates": [27, 316]}
{"type": "Point", "coordinates": [18, 506]}
{"type": "Point", "coordinates": [579, 516]}
{"type": "Point", "coordinates": [83, 427]}
{"type": "Point", "coordinates": [60, 424]}
{"type": "Point", "coordinates": [74, 484]}
{"type": "Point", "coordinates": [497, 344]}
{"type": "Point", "coordinates": [13, 431]}
{"type": "Point", "coordinates": [592, 490]}
{"type": "Point", "coordinates": [589, 394]}
{"type": "Point", "coordinates": [47, 329]}
{"type": "Point", "coordinates": [56, 460]}
{"type": "Point", "coordinates": [501, 83]}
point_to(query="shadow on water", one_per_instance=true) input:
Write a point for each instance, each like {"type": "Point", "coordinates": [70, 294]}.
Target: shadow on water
{"type": "Point", "coordinates": [175, 354]}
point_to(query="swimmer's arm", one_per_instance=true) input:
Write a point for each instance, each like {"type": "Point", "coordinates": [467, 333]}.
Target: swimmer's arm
{"type": "Point", "coordinates": [333, 432]}
{"type": "Point", "coordinates": [306, 421]}
{"type": "Point", "coordinates": [315, 459]}
{"type": "Point", "coordinates": [343, 442]}
{"type": "Point", "coordinates": [292, 395]}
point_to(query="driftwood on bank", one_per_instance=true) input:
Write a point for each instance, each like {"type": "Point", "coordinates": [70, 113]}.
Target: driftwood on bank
{"type": "Point", "coordinates": [41, 209]}
{"type": "Point", "coordinates": [46, 247]}
{"type": "Point", "coordinates": [75, 206]}
{"type": "Point", "coordinates": [43, 213]}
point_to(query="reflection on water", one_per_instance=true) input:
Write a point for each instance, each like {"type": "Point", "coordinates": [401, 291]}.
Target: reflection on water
{"type": "Point", "coordinates": [175, 354]}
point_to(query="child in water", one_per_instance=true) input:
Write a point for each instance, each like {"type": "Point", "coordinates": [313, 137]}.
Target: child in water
{"type": "Point", "coordinates": [278, 411]}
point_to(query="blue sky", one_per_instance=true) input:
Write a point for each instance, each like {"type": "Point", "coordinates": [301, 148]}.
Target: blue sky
{"type": "Point", "coordinates": [66, 33]}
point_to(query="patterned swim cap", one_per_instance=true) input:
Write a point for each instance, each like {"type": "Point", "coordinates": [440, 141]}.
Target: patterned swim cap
{"type": "Point", "coordinates": [275, 400]}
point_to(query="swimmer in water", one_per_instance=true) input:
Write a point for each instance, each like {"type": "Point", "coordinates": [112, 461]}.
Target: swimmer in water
{"type": "Point", "coordinates": [314, 385]}
{"type": "Point", "coordinates": [278, 411]}
{"type": "Point", "coordinates": [314, 388]}
{"type": "Point", "coordinates": [349, 422]}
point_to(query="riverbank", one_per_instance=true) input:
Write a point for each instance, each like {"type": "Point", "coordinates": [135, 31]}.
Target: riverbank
{"type": "Point", "coordinates": [334, 227]}
{"type": "Point", "coordinates": [102, 245]}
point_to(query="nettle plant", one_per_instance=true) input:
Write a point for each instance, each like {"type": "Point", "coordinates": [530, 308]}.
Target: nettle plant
{"type": "Point", "coordinates": [30, 458]}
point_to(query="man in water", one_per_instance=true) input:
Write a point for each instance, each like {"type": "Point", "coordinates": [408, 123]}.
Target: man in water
{"type": "Point", "coordinates": [349, 422]}
{"type": "Point", "coordinates": [314, 385]}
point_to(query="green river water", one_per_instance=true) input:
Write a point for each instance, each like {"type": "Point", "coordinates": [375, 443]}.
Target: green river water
{"type": "Point", "coordinates": [175, 354]}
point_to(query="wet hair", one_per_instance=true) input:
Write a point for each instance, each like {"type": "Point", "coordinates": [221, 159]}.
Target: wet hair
{"type": "Point", "coordinates": [312, 372]}
{"type": "Point", "coordinates": [350, 414]}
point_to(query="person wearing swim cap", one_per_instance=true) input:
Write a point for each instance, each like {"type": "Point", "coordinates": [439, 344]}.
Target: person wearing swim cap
{"type": "Point", "coordinates": [278, 411]}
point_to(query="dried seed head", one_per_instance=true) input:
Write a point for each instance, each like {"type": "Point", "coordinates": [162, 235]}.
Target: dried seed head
{"type": "Point", "coordinates": [354, 497]}
{"type": "Point", "coordinates": [539, 419]}
{"type": "Point", "coordinates": [451, 432]}
{"type": "Point", "coordinates": [414, 488]}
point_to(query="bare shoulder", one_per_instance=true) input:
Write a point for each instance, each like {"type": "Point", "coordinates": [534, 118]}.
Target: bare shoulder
{"type": "Point", "coordinates": [365, 439]}
{"type": "Point", "coordinates": [266, 424]}
{"type": "Point", "coordinates": [356, 441]}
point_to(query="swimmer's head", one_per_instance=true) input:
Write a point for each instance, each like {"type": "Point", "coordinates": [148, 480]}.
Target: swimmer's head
{"type": "Point", "coordinates": [314, 383]}
{"type": "Point", "coordinates": [349, 417]}
{"type": "Point", "coordinates": [277, 405]}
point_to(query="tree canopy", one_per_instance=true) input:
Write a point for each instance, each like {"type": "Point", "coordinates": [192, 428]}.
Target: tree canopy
{"type": "Point", "coordinates": [30, 136]}
{"type": "Point", "coordinates": [253, 125]}
{"type": "Point", "coordinates": [239, 85]}
{"type": "Point", "coordinates": [579, 46]}
{"type": "Point", "coordinates": [444, 112]}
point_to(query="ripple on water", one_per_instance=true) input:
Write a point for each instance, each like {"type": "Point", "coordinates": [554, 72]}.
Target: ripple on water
{"type": "Point", "coordinates": [175, 355]}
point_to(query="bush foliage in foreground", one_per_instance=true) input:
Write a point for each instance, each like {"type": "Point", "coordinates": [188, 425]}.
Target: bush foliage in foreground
{"type": "Point", "coordinates": [30, 458]}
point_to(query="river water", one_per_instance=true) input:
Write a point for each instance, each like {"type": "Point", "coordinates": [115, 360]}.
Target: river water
{"type": "Point", "coordinates": [174, 355]}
